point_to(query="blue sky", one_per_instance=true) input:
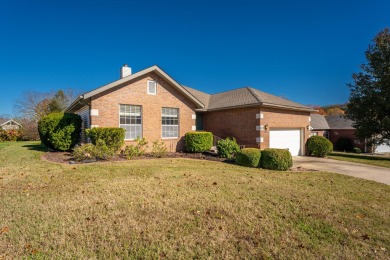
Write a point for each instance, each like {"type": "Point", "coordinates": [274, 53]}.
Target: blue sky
{"type": "Point", "coordinates": [305, 51]}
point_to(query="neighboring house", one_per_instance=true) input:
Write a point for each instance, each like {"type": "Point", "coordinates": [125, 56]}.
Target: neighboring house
{"type": "Point", "coordinates": [319, 125]}
{"type": "Point", "coordinates": [343, 127]}
{"type": "Point", "coordinates": [10, 125]}
{"type": "Point", "coordinates": [153, 105]}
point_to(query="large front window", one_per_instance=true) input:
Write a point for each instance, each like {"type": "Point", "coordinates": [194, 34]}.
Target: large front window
{"type": "Point", "coordinates": [170, 122]}
{"type": "Point", "coordinates": [130, 119]}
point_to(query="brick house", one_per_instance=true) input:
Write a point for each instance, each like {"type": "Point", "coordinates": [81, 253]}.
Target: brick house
{"type": "Point", "coordinates": [343, 127]}
{"type": "Point", "coordinates": [153, 105]}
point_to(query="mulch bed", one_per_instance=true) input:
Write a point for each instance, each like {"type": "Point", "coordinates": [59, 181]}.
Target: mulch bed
{"type": "Point", "coordinates": [67, 157]}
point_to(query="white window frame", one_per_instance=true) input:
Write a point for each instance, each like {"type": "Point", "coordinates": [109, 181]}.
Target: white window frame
{"type": "Point", "coordinates": [147, 87]}
{"type": "Point", "coordinates": [131, 125]}
{"type": "Point", "coordinates": [172, 116]}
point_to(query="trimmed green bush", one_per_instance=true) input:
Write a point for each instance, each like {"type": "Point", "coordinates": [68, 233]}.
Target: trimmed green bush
{"type": "Point", "coordinates": [276, 159]}
{"type": "Point", "coordinates": [249, 157]}
{"type": "Point", "coordinates": [227, 148]}
{"type": "Point", "coordinates": [197, 142]}
{"type": "Point", "coordinates": [319, 146]}
{"type": "Point", "coordinates": [113, 137]}
{"type": "Point", "coordinates": [60, 131]}
{"type": "Point", "coordinates": [343, 144]}
{"type": "Point", "coordinates": [357, 150]}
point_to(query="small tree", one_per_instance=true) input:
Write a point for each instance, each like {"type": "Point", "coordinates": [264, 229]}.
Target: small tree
{"type": "Point", "coordinates": [369, 101]}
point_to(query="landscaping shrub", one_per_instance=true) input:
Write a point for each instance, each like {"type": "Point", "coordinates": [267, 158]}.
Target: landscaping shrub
{"type": "Point", "coordinates": [90, 151]}
{"type": "Point", "coordinates": [227, 148]}
{"type": "Point", "coordinates": [10, 135]}
{"type": "Point", "coordinates": [343, 144]}
{"type": "Point", "coordinates": [357, 150]}
{"type": "Point", "coordinates": [136, 150]}
{"type": "Point", "coordinates": [319, 146]}
{"type": "Point", "coordinates": [249, 157]}
{"type": "Point", "coordinates": [113, 137]}
{"type": "Point", "coordinates": [159, 149]}
{"type": "Point", "coordinates": [197, 142]}
{"type": "Point", "coordinates": [60, 131]}
{"type": "Point", "coordinates": [276, 159]}
{"type": "Point", "coordinates": [84, 152]}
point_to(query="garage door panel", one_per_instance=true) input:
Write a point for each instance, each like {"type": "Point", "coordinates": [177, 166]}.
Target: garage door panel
{"type": "Point", "coordinates": [286, 139]}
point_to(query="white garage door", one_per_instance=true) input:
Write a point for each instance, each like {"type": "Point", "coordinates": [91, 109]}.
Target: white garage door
{"type": "Point", "coordinates": [286, 139]}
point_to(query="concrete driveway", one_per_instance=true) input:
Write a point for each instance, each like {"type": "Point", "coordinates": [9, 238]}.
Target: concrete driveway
{"type": "Point", "coordinates": [368, 172]}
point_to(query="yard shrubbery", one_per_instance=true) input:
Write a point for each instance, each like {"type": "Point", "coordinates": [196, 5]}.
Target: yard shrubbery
{"type": "Point", "coordinates": [319, 146]}
{"type": "Point", "coordinates": [113, 137]}
{"type": "Point", "coordinates": [197, 142]}
{"type": "Point", "coordinates": [10, 135]}
{"type": "Point", "coordinates": [99, 151]}
{"type": "Point", "coordinates": [136, 150]}
{"type": "Point", "coordinates": [60, 131]}
{"type": "Point", "coordinates": [227, 148]}
{"type": "Point", "coordinates": [276, 159]}
{"type": "Point", "coordinates": [249, 157]}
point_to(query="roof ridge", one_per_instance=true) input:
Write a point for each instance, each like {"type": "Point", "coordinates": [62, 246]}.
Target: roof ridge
{"type": "Point", "coordinates": [253, 94]}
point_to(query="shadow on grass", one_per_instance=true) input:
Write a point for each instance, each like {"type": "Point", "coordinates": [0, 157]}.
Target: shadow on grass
{"type": "Point", "coordinates": [36, 147]}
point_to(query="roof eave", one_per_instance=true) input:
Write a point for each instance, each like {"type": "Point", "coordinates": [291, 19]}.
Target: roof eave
{"type": "Point", "coordinates": [70, 108]}
{"type": "Point", "coordinates": [308, 109]}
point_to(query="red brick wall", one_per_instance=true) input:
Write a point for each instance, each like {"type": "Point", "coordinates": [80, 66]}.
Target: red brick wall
{"type": "Point", "coordinates": [241, 123]}
{"type": "Point", "coordinates": [335, 134]}
{"type": "Point", "coordinates": [135, 93]}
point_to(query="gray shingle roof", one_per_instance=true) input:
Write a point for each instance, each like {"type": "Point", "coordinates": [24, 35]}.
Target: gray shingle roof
{"type": "Point", "coordinates": [339, 122]}
{"type": "Point", "coordinates": [201, 96]}
{"type": "Point", "coordinates": [242, 97]}
{"type": "Point", "coordinates": [318, 122]}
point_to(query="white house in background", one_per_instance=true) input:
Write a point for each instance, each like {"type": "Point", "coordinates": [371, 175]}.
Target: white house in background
{"type": "Point", "coordinates": [10, 125]}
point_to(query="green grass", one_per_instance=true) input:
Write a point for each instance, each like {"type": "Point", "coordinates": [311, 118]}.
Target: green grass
{"type": "Point", "coordinates": [183, 208]}
{"type": "Point", "coordinates": [361, 158]}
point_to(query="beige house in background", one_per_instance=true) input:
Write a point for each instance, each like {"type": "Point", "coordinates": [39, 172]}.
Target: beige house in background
{"type": "Point", "coordinates": [10, 125]}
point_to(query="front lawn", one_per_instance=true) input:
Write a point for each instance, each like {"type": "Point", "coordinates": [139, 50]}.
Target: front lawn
{"type": "Point", "coordinates": [184, 208]}
{"type": "Point", "coordinates": [381, 161]}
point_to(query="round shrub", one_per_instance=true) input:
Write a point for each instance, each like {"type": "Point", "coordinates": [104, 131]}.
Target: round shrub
{"type": "Point", "coordinates": [227, 148]}
{"type": "Point", "coordinates": [319, 146]}
{"type": "Point", "coordinates": [60, 131]}
{"type": "Point", "coordinates": [113, 137]}
{"type": "Point", "coordinates": [343, 144]}
{"type": "Point", "coordinates": [197, 142]}
{"type": "Point", "coordinates": [357, 150]}
{"type": "Point", "coordinates": [249, 157]}
{"type": "Point", "coordinates": [276, 159]}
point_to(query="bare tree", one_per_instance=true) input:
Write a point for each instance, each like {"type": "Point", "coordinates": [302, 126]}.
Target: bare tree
{"type": "Point", "coordinates": [33, 105]}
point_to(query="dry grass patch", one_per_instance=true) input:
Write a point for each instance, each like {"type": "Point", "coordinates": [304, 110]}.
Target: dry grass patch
{"type": "Point", "coordinates": [183, 208]}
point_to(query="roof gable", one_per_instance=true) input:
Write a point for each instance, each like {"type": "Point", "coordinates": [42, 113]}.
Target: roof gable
{"type": "Point", "coordinates": [75, 105]}
{"type": "Point", "coordinates": [10, 121]}
{"type": "Point", "coordinates": [318, 122]}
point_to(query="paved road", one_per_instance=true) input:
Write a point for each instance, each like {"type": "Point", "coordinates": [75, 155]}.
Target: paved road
{"type": "Point", "coordinates": [368, 172]}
